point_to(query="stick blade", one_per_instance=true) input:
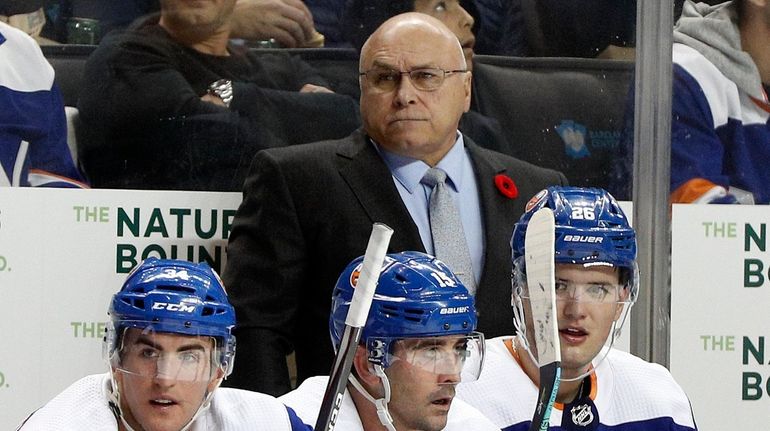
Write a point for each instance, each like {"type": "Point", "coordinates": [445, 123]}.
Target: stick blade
{"type": "Point", "coordinates": [539, 255]}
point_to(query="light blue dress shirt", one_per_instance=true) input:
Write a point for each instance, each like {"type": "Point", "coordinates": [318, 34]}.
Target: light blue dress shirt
{"type": "Point", "coordinates": [461, 181]}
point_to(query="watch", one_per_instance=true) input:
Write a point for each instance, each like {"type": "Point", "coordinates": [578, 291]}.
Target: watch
{"type": "Point", "coordinates": [222, 88]}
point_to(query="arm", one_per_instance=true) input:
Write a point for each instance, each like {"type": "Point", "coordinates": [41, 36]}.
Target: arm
{"type": "Point", "coordinates": [266, 268]}
{"type": "Point", "coordinates": [33, 126]}
{"type": "Point", "coordinates": [135, 79]}
{"type": "Point", "coordinates": [299, 117]}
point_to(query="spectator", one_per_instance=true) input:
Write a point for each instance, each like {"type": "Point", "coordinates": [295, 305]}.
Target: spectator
{"type": "Point", "coordinates": [33, 127]}
{"type": "Point", "coordinates": [404, 372]}
{"type": "Point", "coordinates": [362, 18]}
{"type": "Point", "coordinates": [172, 106]}
{"type": "Point", "coordinates": [595, 286]}
{"type": "Point", "coordinates": [307, 210]}
{"type": "Point", "coordinates": [720, 130]}
{"type": "Point", "coordinates": [168, 345]}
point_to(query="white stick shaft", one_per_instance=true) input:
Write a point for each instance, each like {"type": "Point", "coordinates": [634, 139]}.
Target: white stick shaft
{"type": "Point", "coordinates": [370, 273]}
{"type": "Point", "coordinates": [354, 322]}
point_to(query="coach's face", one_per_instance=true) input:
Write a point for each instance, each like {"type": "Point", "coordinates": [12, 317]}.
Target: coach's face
{"type": "Point", "coordinates": [397, 110]}
{"type": "Point", "coordinates": [201, 16]}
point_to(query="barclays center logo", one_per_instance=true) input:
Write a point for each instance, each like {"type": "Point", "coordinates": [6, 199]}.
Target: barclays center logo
{"type": "Point", "coordinates": [579, 141]}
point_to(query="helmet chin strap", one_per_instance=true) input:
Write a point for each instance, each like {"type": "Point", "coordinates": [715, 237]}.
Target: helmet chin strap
{"type": "Point", "coordinates": [380, 404]}
{"type": "Point", "coordinates": [114, 401]}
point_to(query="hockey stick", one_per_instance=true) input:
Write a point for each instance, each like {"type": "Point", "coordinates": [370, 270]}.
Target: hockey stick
{"type": "Point", "coordinates": [539, 246]}
{"type": "Point", "coordinates": [354, 323]}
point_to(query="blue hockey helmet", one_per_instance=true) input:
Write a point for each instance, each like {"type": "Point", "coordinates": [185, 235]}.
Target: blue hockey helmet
{"type": "Point", "coordinates": [417, 296]}
{"type": "Point", "coordinates": [591, 228]}
{"type": "Point", "coordinates": [176, 297]}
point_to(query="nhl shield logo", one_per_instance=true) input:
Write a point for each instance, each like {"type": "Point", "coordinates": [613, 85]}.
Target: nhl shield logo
{"type": "Point", "coordinates": [582, 415]}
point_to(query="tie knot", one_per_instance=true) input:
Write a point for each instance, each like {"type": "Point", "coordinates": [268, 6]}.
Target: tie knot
{"type": "Point", "coordinates": [434, 176]}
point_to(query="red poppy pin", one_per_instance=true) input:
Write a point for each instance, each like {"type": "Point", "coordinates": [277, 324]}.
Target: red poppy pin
{"type": "Point", "coordinates": [506, 186]}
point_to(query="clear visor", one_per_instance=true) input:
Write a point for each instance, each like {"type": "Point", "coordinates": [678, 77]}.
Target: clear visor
{"type": "Point", "coordinates": [586, 292]}
{"type": "Point", "coordinates": [461, 356]}
{"type": "Point", "coordinates": [165, 355]}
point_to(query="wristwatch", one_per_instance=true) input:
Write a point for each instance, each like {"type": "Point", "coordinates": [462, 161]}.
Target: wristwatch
{"type": "Point", "coordinates": [222, 88]}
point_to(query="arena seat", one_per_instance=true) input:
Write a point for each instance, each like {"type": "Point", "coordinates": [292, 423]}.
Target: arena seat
{"type": "Point", "coordinates": [68, 61]}
{"type": "Point", "coordinates": [563, 113]}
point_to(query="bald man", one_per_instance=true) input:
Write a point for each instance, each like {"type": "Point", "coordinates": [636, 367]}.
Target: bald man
{"type": "Point", "coordinates": [308, 210]}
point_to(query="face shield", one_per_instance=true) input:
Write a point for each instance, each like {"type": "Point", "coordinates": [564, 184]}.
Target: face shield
{"type": "Point", "coordinates": [604, 295]}
{"type": "Point", "coordinates": [177, 353]}
{"type": "Point", "coordinates": [455, 355]}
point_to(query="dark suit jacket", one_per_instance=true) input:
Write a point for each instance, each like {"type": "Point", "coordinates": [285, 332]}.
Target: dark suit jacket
{"type": "Point", "coordinates": [307, 212]}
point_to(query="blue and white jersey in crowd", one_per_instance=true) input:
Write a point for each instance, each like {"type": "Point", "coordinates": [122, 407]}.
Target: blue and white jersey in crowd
{"type": "Point", "coordinates": [33, 126]}
{"type": "Point", "coordinates": [627, 394]}
{"type": "Point", "coordinates": [720, 131]}
{"type": "Point", "coordinates": [306, 401]}
{"type": "Point", "coordinates": [85, 406]}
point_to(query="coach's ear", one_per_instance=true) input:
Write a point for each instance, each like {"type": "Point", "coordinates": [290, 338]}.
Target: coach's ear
{"type": "Point", "coordinates": [364, 369]}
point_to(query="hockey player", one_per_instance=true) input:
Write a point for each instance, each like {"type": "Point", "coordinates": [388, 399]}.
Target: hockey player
{"type": "Point", "coordinates": [597, 280]}
{"type": "Point", "coordinates": [417, 338]}
{"type": "Point", "coordinates": [169, 345]}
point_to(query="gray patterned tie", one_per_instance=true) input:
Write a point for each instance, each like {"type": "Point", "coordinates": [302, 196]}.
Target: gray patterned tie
{"type": "Point", "coordinates": [446, 228]}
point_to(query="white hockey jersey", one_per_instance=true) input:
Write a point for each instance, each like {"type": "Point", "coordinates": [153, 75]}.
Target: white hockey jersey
{"type": "Point", "coordinates": [306, 401]}
{"type": "Point", "coordinates": [627, 394]}
{"type": "Point", "coordinates": [84, 406]}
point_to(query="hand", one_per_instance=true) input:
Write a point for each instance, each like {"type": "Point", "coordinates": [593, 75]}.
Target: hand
{"type": "Point", "coordinates": [310, 88]}
{"type": "Point", "coordinates": [289, 22]}
{"type": "Point", "coordinates": [212, 98]}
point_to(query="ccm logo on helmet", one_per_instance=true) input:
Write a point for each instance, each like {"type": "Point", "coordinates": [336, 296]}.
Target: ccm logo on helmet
{"type": "Point", "coordinates": [173, 307]}
{"type": "Point", "coordinates": [583, 238]}
{"type": "Point", "coordinates": [454, 310]}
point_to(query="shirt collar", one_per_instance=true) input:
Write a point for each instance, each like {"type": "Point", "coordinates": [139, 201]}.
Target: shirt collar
{"type": "Point", "coordinates": [409, 171]}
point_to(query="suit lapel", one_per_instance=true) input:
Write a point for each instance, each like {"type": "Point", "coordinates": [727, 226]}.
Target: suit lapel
{"type": "Point", "coordinates": [369, 178]}
{"type": "Point", "coordinates": [496, 209]}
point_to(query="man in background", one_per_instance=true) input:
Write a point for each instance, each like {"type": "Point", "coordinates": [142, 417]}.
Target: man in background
{"type": "Point", "coordinates": [171, 104]}
{"type": "Point", "coordinates": [308, 210]}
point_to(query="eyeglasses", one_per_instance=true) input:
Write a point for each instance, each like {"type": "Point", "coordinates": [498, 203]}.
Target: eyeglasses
{"type": "Point", "coordinates": [425, 79]}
